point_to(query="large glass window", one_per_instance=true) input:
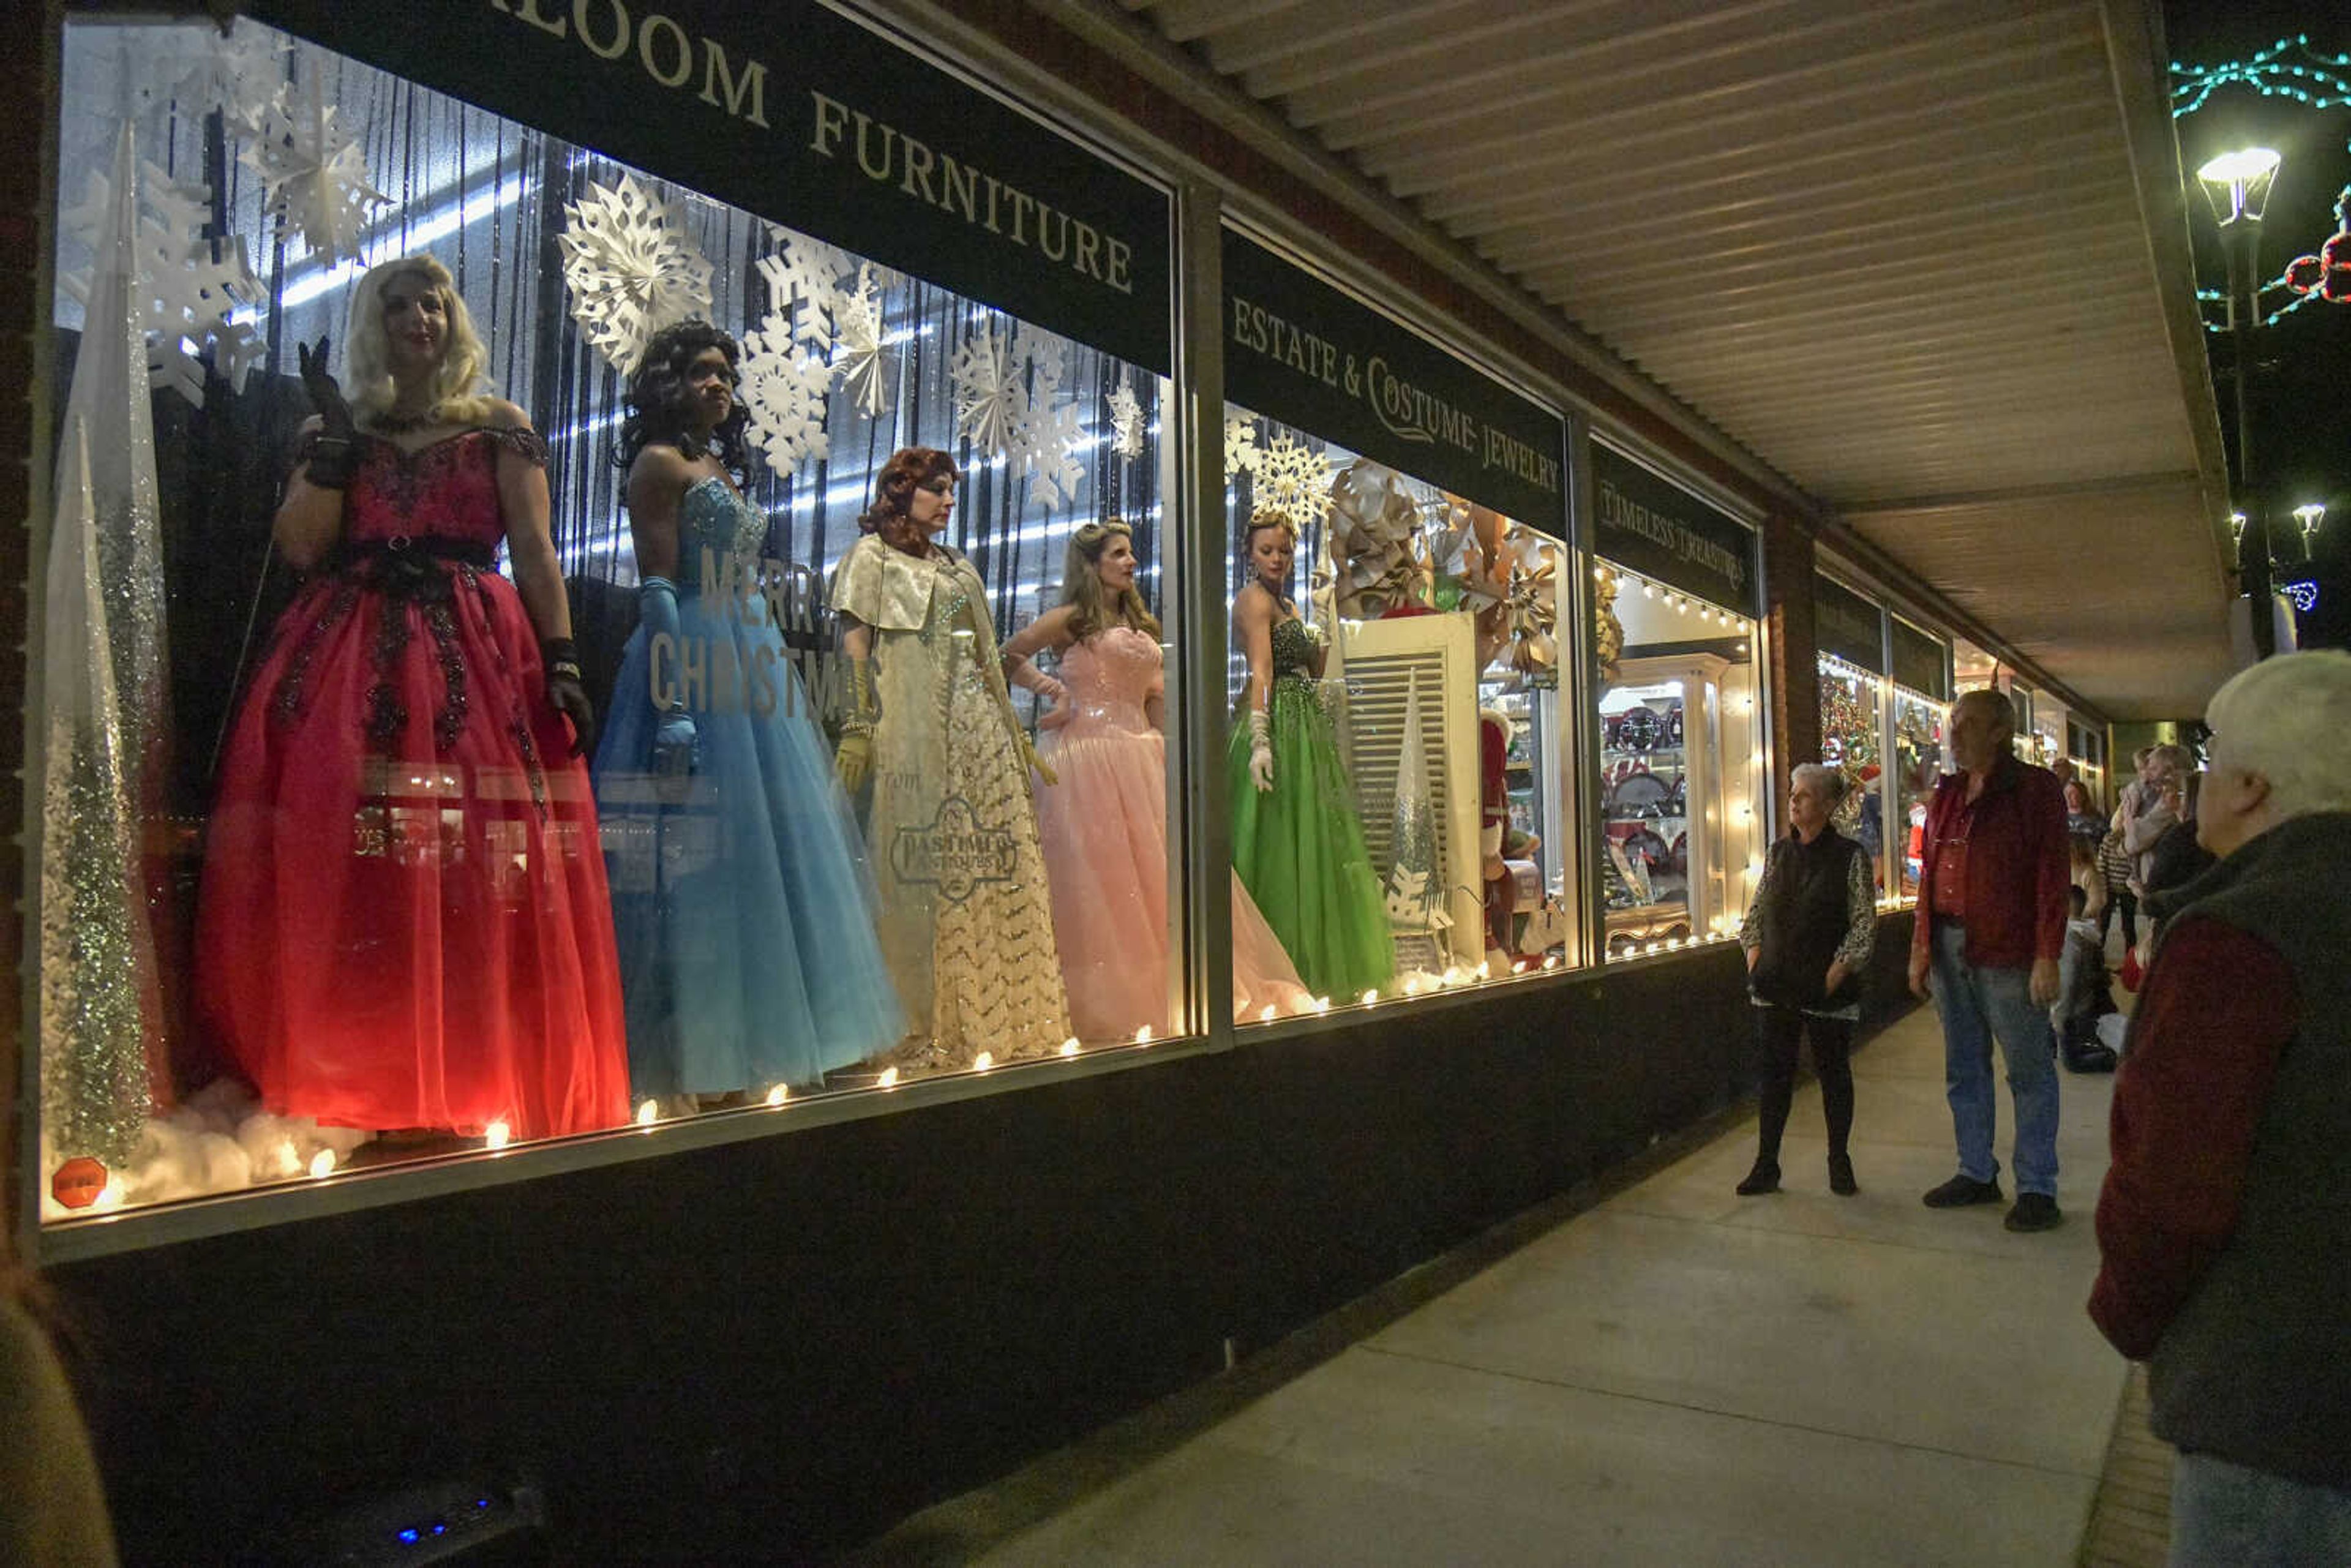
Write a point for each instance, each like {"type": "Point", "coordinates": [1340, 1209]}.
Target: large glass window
{"type": "Point", "coordinates": [479, 713]}
{"type": "Point", "coordinates": [1853, 718]}
{"type": "Point", "coordinates": [1917, 753]}
{"type": "Point", "coordinates": [1682, 833]}
{"type": "Point", "coordinates": [1394, 770]}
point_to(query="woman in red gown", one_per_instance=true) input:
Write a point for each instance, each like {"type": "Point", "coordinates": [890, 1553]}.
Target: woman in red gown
{"type": "Point", "coordinates": [404, 924]}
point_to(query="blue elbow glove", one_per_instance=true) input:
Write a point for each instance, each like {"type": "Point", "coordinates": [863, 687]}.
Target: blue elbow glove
{"type": "Point", "coordinates": [677, 745]}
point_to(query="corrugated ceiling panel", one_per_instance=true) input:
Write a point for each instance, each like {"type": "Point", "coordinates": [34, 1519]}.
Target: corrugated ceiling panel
{"type": "Point", "coordinates": [1894, 250]}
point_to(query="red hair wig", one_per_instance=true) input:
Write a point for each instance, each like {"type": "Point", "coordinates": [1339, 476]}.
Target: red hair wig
{"type": "Point", "coordinates": [909, 469]}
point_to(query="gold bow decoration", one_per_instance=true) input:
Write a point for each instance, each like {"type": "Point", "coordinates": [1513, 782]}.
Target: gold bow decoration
{"type": "Point", "coordinates": [1532, 605]}
{"type": "Point", "coordinates": [1377, 557]}
{"type": "Point", "coordinates": [1466, 554]}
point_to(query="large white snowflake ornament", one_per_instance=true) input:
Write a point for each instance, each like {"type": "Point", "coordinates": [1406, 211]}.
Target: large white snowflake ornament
{"type": "Point", "coordinates": [631, 268]}
{"type": "Point", "coordinates": [783, 389]}
{"type": "Point", "coordinates": [1048, 456]}
{"type": "Point", "coordinates": [316, 174]}
{"type": "Point", "coordinates": [857, 344]}
{"type": "Point", "coordinates": [991, 391]}
{"type": "Point", "coordinates": [189, 286]}
{"type": "Point", "coordinates": [1126, 422]}
{"type": "Point", "coordinates": [804, 277]}
{"type": "Point", "coordinates": [1295, 476]}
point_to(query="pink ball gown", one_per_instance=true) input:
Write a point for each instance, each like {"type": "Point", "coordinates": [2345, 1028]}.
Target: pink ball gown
{"type": "Point", "coordinates": [403, 919]}
{"type": "Point", "coordinates": [1104, 827]}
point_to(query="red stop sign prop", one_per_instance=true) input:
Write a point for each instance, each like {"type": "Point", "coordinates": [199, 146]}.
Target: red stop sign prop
{"type": "Point", "coordinates": [77, 1182]}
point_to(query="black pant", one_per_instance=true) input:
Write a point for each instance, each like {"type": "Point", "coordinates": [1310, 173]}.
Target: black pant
{"type": "Point", "coordinates": [2126, 900]}
{"type": "Point", "coordinates": [1777, 1031]}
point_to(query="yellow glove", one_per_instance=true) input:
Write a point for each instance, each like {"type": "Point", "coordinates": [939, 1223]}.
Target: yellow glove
{"type": "Point", "coordinates": [852, 760]}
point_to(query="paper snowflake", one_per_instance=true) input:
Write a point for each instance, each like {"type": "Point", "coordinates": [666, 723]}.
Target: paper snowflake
{"type": "Point", "coordinates": [189, 287]}
{"type": "Point", "coordinates": [1242, 453]}
{"type": "Point", "coordinates": [804, 279]}
{"type": "Point", "coordinates": [1294, 476]}
{"type": "Point", "coordinates": [1126, 422]}
{"type": "Point", "coordinates": [1048, 455]}
{"type": "Point", "coordinates": [783, 390]}
{"type": "Point", "coordinates": [632, 269]}
{"type": "Point", "coordinates": [857, 346]}
{"type": "Point", "coordinates": [315, 175]}
{"type": "Point", "coordinates": [991, 391]}
{"type": "Point", "coordinates": [241, 73]}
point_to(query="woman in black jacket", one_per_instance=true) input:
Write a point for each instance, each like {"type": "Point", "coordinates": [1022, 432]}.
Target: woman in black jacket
{"type": "Point", "coordinates": [1808, 936]}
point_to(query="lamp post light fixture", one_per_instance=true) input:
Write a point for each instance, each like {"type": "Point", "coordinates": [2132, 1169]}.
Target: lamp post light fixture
{"type": "Point", "coordinates": [2238, 185]}
{"type": "Point", "coordinates": [2310, 514]}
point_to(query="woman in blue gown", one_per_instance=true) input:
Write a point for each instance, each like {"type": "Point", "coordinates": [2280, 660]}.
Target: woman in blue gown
{"type": "Point", "coordinates": [743, 906]}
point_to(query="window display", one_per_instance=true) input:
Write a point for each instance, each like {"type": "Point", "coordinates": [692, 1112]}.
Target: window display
{"type": "Point", "coordinates": [1388, 615]}
{"type": "Point", "coordinates": [1681, 763]}
{"type": "Point", "coordinates": [1852, 722]}
{"type": "Point", "coordinates": [494, 702]}
{"type": "Point", "coordinates": [1917, 699]}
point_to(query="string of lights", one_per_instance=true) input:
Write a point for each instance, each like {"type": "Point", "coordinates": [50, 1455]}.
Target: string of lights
{"type": "Point", "coordinates": [2323, 82]}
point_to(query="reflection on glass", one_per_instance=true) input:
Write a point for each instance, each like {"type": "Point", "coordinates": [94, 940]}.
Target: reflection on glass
{"type": "Point", "coordinates": [1917, 763]}
{"type": "Point", "coordinates": [1681, 840]}
{"type": "Point", "coordinates": [1850, 723]}
{"type": "Point", "coordinates": [422, 930]}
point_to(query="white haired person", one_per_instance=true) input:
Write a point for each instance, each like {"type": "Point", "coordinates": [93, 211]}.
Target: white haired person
{"type": "Point", "coordinates": [1808, 936]}
{"type": "Point", "coordinates": [2225, 1224]}
{"type": "Point", "coordinates": [404, 924]}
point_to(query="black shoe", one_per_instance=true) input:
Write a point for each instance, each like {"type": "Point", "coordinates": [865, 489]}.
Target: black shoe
{"type": "Point", "coordinates": [1841, 1180]}
{"type": "Point", "coordinates": [2034, 1211]}
{"type": "Point", "coordinates": [2089, 1058]}
{"type": "Point", "coordinates": [1960, 1191]}
{"type": "Point", "coordinates": [1764, 1177]}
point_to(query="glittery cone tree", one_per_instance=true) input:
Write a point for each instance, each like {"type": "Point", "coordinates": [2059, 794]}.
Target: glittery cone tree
{"type": "Point", "coordinates": [1415, 892]}
{"type": "Point", "coordinates": [98, 962]}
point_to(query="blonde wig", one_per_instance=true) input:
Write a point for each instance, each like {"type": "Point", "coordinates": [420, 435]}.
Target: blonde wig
{"type": "Point", "coordinates": [1081, 585]}
{"type": "Point", "coordinates": [460, 389]}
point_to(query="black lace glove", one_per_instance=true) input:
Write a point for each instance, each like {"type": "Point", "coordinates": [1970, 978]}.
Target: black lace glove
{"type": "Point", "coordinates": [565, 691]}
{"type": "Point", "coordinates": [336, 452]}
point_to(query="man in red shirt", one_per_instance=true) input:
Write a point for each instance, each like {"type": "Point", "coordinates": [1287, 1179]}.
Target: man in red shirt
{"type": "Point", "coordinates": [2224, 1229]}
{"type": "Point", "coordinates": [1990, 927]}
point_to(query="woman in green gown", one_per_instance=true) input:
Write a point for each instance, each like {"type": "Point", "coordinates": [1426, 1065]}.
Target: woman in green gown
{"type": "Point", "coordinates": [1297, 844]}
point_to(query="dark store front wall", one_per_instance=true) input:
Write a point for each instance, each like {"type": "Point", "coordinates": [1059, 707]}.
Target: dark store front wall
{"type": "Point", "coordinates": [779, 1346]}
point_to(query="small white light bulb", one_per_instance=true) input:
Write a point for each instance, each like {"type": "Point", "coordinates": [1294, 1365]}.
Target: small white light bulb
{"type": "Point", "coordinates": [778, 1094]}
{"type": "Point", "coordinates": [1143, 1035]}
{"type": "Point", "coordinates": [889, 1077]}
{"type": "Point", "coordinates": [322, 1163]}
{"type": "Point", "coordinates": [982, 1062]}
{"type": "Point", "coordinates": [1370, 996]}
{"type": "Point", "coordinates": [497, 1135]}
{"type": "Point", "coordinates": [1265, 1013]}
{"type": "Point", "coordinates": [1070, 1046]}
{"type": "Point", "coordinates": [648, 1113]}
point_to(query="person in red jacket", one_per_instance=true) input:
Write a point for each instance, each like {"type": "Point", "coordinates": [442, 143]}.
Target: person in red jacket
{"type": "Point", "coordinates": [2224, 1227]}
{"type": "Point", "coordinates": [1991, 928]}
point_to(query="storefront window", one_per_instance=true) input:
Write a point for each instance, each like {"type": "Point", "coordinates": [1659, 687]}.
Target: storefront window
{"type": "Point", "coordinates": [1681, 765]}
{"type": "Point", "coordinates": [1393, 763]}
{"type": "Point", "coordinates": [608, 720]}
{"type": "Point", "coordinates": [1852, 724]}
{"type": "Point", "coordinates": [1918, 723]}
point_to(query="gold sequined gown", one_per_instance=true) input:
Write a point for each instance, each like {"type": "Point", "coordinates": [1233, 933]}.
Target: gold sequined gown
{"type": "Point", "coordinates": [967, 912]}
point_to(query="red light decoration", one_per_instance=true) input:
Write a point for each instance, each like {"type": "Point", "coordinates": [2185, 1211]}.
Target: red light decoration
{"type": "Point", "coordinates": [2328, 275]}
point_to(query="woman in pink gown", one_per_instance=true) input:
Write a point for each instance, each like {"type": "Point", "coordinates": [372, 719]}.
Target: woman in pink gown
{"type": "Point", "coordinates": [403, 923]}
{"type": "Point", "coordinates": [1104, 824]}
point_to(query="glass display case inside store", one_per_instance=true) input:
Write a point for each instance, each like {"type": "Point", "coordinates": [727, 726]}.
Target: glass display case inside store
{"type": "Point", "coordinates": [482, 709]}
{"type": "Point", "coordinates": [2046, 744]}
{"type": "Point", "coordinates": [1681, 765]}
{"type": "Point", "coordinates": [1853, 721]}
{"type": "Point", "coordinates": [1396, 747]}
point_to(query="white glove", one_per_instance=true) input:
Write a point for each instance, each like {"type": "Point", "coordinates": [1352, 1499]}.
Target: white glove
{"type": "Point", "coordinates": [1261, 752]}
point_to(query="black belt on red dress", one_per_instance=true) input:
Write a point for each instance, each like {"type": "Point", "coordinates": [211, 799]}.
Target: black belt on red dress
{"type": "Point", "coordinates": [414, 549]}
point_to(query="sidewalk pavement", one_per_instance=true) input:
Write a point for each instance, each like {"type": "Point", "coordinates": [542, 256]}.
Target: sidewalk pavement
{"type": "Point", "coordinates": [1678, 1375]}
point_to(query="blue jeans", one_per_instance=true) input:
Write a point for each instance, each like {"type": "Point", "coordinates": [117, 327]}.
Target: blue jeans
{"type": "Point", "coordinates": [1976, 1004]}
{"type": "Point", "coordinates": [2232, 1516]}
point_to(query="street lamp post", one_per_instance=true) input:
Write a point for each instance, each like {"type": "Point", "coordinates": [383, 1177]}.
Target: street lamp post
{"type": "Point", "coordinates": [2238, 186]}
{"type": "Point", "coordinates": [2310, 514]}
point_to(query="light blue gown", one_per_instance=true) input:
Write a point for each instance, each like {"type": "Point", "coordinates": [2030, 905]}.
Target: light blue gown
{"type": "Point", "coordinates": [742, 903]}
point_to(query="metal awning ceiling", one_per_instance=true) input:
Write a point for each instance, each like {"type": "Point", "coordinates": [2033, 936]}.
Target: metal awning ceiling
{"type": "Point", "coordinates": [1927, 258]}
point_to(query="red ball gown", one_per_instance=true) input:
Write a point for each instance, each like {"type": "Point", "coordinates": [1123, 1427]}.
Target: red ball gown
{"type": "Point", "coordinates": [403, 921]}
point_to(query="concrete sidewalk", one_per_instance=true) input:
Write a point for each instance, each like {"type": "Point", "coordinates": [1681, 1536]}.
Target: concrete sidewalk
{"type": "Point", "coordinates": [1678, 1375]}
